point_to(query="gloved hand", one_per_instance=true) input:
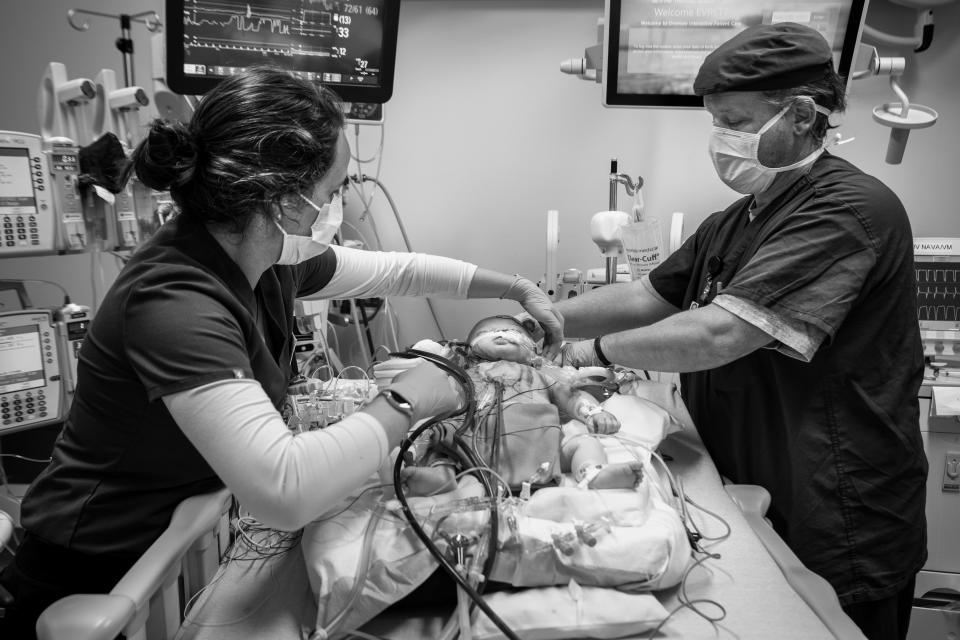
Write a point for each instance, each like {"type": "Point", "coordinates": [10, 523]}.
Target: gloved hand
{"type": "Point", "coordinates": [579, 354]}
{"type": "Point", "coordinates": [530, 324]}
{"type": "Point", "coordinates": [429, 390]}
{"type": "Point", "coordinates": [538, 305]}
{"type": "Point", "coordinates": [384, 372]}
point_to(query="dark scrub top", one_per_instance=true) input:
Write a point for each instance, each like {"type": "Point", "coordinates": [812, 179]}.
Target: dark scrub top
{"type": "Point", "coordinates": [181, 314]}
{"type": "Point", "coordinates": [836, 440]}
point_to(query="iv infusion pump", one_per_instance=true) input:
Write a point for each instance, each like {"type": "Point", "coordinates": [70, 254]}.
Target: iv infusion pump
{"type": "Point", "coordinates": [40, 206]}
{"type": "Point", "coordinates": [33, 387]}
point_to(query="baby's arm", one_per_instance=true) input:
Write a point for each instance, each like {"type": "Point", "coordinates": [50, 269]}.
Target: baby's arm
{"type": "Point", "coordinates": [584, 407]}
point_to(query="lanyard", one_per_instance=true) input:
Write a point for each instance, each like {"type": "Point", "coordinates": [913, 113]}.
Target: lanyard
{"type": "Point", "coordinates": [714, 265]}
{"type": "Point", "coordinates": [724, 265]}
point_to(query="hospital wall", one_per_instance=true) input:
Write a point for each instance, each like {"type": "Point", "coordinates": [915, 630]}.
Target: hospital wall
{"type": "Point", "coordinates": [484, 135]}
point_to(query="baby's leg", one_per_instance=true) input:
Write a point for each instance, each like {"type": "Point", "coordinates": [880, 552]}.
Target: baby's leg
{"type": "Point", "coordinates": [585, 458]}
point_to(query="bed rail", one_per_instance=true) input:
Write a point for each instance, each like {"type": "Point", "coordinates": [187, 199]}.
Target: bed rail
{"type": "Point", "coordinates": [754, 501]}
{"type": "Point", "coordinates": [148, 602]}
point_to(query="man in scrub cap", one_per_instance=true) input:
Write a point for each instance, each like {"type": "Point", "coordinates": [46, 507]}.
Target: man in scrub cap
{"type": "Point", "coordinates": [791, 316]}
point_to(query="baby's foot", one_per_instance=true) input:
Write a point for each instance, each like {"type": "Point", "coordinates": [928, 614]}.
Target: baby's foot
{"type": "Point", "coordinates": [623, 475]}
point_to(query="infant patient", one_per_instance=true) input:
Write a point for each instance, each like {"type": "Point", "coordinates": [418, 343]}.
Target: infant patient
{"type": "Point", "coordinates": [502, 355]}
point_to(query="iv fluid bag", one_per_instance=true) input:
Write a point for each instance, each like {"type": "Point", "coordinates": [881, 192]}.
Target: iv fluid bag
{"type": "Point", "coordinates": [643, 246]}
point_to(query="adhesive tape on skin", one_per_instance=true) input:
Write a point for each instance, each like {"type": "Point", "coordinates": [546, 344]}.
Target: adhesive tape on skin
{"type": "Point", "coordinates": [586, 473]}
{"type": "Point", "coordinates": [587, 410]}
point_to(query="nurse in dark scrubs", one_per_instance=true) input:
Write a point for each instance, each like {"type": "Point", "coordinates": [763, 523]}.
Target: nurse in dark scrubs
{"type": "Point", "coordinates": [188, 360]}
{"type": "Point", "coordinates": [791, 316]}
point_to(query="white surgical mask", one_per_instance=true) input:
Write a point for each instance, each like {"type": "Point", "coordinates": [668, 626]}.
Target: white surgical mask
{"type": "Point", "coordinates": [735, 157]}
{"type": "Point", "coordinates": [297, 249]}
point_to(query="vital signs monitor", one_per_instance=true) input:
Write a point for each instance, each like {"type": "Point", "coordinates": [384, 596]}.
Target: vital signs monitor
{"type": "Point", "coordinates": [349, 46]}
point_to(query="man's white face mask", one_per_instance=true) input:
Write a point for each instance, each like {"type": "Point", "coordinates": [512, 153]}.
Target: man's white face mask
{"type": "Point", "coordinates": [297, 249]}
{"type": "Point", "coordinates": [735, 156]}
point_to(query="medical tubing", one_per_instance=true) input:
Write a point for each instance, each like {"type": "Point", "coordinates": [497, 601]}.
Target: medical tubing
{"type": "Point", "coordinates": [366, 328]}
{"type": "Point", "coordinates": [363, 569]}
{"type": "Point", "coordinates": [463, 614]}
{"type": "Point", "coordinates": [489, 471]}
{"type": "Point", "coordinates": [458, 374]}
{"type": "Point", "coordinates": [475, 461]}
{"type": "Point", "coordinates": [715, 516]}
{"type": "Point", "coordinates": [431, 547]}
{"type": "Point", "coordinates": [475, 437]}
{"type": "Point", "coordinates": [449, 630]}
{"type": "Point", "coordinates": [406, 239]}
{"type": "Point", "coordinates": [356, 158]}
{"type": "Point", "coordinates": [14, 281]}
{"type": "Point", "coordinates": [494, 461]}
{"type": "Point", "coordinates": [469, 423]}
{"type": "Point", "coordinates": [355, 316]}
{"type": "Point", "coordinates": [671, 479]}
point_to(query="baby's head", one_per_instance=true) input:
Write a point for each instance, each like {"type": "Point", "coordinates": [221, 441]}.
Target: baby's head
{"type": "Point", "coordinates": [502, 338]}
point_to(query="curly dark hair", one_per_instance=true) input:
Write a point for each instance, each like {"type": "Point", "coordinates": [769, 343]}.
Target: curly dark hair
{"type": "Point", "coordinates": [256, 138]}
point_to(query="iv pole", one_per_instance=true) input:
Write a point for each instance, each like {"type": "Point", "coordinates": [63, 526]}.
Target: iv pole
{"type": "Point", "coordinates": [124, 42]}
{"type": "Point", "coordinates": [631, 187]}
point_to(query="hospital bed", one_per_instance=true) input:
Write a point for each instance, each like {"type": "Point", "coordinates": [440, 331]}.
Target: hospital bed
{"type": "Point", "coordinates": [764, 591]}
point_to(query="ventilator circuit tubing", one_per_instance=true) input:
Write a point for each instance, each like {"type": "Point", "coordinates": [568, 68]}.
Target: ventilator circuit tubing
{"type": "Point", "coordinates": [403, 232]}
{"type": "Point", "coordinates": [473, 459]}
{"type": "Point", "coordinates": [407, 443]}
{"type": "Point", "coordinates": [361, 578]}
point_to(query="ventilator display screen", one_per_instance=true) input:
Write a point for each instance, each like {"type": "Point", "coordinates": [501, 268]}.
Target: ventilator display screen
{"type": "Point", "coordinates": [16, 186]}
{"type": "Point", "coordinates": [348, 46]}
{"type": "Point", "coordinates": [654, 48]}
{"type": "Point", "coordinates": [938, 291]}
{"type": "Point", "coordinates": [21, 359]}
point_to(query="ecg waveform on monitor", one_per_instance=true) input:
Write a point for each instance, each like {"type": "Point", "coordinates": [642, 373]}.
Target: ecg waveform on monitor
{"type": "Point", "coordinates": [231, 26]}
{"type": "Point", "coordinates": [938, 292]}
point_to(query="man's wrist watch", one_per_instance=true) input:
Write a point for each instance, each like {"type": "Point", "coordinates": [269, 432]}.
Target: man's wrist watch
{"type": "Point", "coordinates": [398, 402]}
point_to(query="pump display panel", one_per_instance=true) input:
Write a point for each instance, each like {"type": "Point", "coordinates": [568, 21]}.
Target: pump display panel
{"type": "Point", "coordinates": [18, 203]}
{"type": "Point", "coordinates": [21, 359]}
{"type": "Point", "coordinates": [16, 189]}
{"type": "Point", "coordinates": [653, 49]}
{"type": "Point", "coordinates": [349, 46]}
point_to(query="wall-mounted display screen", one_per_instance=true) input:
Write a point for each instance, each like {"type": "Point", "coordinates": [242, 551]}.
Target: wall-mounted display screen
{"type": "Point", "coordinates": [349, 46]}
{"type": "Point", "coordinates": [654, 48]}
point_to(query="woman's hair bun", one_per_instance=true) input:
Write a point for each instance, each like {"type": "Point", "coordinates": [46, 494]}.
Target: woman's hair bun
{"type": "Point", "coordinates": [167, 157]}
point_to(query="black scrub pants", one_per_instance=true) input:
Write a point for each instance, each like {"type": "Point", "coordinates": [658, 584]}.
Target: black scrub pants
{"type": "Point", "coordinates": [886, 619]}
{"type": "Point", "coordinates": [42, 573]}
